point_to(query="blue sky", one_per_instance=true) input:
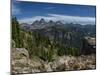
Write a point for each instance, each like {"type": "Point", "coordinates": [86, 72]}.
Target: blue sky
{"type": "Point", "coordinates": [31, 11]}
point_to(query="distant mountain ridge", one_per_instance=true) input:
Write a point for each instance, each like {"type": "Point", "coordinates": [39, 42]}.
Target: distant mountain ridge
{"type": "Point", "coordinates": [40, 24]}
{"type": "Point", "coordinates": [67, 34]}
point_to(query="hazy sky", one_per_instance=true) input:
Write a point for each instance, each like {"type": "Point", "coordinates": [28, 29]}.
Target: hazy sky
{"type": "Point", "coordinates": [31, 11]}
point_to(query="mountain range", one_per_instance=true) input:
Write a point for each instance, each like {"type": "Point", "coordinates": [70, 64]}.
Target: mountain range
{"type": "Point", "coordinates": [68, 34]}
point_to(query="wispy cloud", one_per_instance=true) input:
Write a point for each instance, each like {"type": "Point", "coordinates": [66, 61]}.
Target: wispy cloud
{"type": "Point", "coordinates": [63, 18]}
{"type": "Point", "coordinates": [74, 19]}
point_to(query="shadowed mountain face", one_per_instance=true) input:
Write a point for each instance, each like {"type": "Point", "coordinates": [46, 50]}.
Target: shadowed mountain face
{"type": "Point", "coordinates": [42, 24]}
{"type": "Point", "coordinates": [67, 34]}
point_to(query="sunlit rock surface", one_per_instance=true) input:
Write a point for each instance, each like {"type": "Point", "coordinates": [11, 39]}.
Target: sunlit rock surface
{"type": "Point", "coordinates": [21, 63]}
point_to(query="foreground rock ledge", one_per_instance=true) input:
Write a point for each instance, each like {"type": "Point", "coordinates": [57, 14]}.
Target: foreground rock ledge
{"type": "Point", "coordinates": [22, 64]}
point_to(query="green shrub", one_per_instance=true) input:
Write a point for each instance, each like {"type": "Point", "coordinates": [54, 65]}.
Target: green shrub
{"type": "Point", "coordinates": [72, 51]}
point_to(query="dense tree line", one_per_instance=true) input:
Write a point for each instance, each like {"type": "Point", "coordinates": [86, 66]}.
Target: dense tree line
{"type": "Point", "coordinates": [39, 45]}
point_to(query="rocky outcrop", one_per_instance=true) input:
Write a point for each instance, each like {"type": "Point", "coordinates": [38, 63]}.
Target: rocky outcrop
{"type": "Point", "coordinates": [20, 60]}
{"type": "Point", "coordinates": [66, 63]}
{"type": "Point", "coordinates": [21, 63]}
{"type": "Point", "coordinates": [89, 46]}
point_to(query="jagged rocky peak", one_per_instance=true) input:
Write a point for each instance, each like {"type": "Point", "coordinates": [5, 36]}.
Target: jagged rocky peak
{"type": "Point", "coordinates": [51, 23]}
{"type": "Point", "coordinates": [42, 21]}
{"type": "Point", "coordinates": [59, 23]}
{"type": "Point", "coordinates": [35, 22]}
{"type": "Point", "coordinates": [39, 22]}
